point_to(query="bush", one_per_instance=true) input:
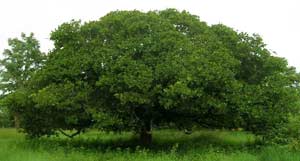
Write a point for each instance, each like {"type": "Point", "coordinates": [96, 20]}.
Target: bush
{"type": "Point", "coordinates": [5, 119]}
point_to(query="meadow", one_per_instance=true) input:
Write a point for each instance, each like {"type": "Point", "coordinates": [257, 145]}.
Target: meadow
{"type": "Point", "coordinates": [168, 145]}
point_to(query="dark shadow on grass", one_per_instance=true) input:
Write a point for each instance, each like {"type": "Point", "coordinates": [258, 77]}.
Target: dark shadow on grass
{"type": "Point", "coordinates": [161, 142]}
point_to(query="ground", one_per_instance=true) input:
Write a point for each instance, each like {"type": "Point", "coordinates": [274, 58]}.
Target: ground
{"type": "Point", "coordinates": [168, 145]}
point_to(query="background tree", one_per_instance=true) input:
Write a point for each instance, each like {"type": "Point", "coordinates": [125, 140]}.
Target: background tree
{"type": "Point", "coordinates": [5, 119]}
{"type": "Point", "coordinates": [17, 66]}
{"type": "Point", "coordinates": [132, 71]}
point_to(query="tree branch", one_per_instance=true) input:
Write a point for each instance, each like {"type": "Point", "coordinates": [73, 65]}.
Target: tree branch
{"type": "Point", "coordinates": [70, 135]}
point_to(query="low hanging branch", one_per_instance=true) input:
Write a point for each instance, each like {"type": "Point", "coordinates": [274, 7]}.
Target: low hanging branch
{"type": "Point", "coordinates": [70, 135]}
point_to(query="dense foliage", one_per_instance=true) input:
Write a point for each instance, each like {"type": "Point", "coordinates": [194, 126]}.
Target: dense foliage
{"type": "Point", "coordinates": [131, 70]}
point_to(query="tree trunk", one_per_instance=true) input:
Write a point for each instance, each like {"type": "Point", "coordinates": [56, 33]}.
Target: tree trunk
{"type": "Point", "coordinates": [146, 134]}
{"type": "Point", "coordinates": [16, 120]}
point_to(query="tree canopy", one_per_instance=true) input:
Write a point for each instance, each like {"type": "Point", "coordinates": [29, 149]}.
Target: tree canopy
{"type": "Point", "coordinates": [132, 70]}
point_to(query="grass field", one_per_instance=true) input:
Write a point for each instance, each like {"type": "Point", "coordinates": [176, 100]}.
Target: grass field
{"type": "Point", "coordinates": [168, 145]}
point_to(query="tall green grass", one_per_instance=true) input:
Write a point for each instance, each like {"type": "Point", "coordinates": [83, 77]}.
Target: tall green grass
{"type": "Point", "coordinates": [168, 145]}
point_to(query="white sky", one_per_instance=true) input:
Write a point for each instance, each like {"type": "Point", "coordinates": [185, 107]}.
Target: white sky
{"type": "Point", "coordinates": [277, 21]}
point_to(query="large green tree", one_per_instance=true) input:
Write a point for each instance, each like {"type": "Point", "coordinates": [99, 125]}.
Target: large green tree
{"type": "Point", "coordinates": [131, 70]}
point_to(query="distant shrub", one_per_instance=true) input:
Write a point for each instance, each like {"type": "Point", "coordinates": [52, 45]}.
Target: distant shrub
{"type": "Point", "coordinates": [5, 119]}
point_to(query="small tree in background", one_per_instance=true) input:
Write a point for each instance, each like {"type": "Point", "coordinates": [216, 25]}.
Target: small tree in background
{"type": "Point", "coordinates": [5, 119]}
{"type": "Point", "coordinates": [18, 65]}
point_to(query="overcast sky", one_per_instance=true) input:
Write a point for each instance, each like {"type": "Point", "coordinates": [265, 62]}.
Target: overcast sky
{"type": "Point", "coordinates": [277, 21]}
